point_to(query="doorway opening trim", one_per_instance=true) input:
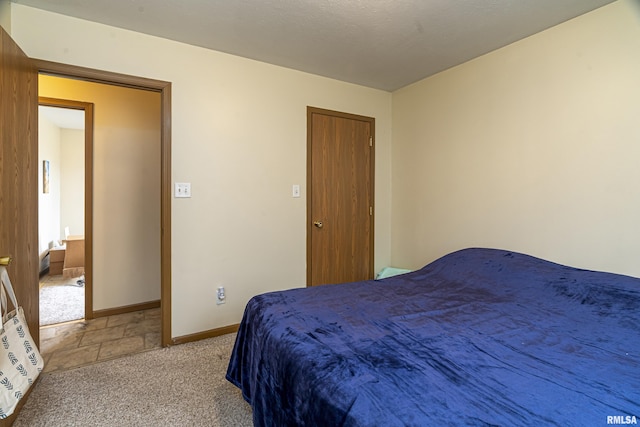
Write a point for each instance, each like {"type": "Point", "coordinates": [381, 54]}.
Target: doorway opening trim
{"type": "Point", "coordinates": [87, 107]}
{"type": "Point", "coordinates": [164, 88]}
{"type": "Point", "coordinates": [310, 112]}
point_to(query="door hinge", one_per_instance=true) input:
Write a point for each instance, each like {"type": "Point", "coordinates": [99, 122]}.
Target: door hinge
{"type": "Point", "coordinates": [370, 210]}
{"type": "Point", "coordinates": [370, 141]}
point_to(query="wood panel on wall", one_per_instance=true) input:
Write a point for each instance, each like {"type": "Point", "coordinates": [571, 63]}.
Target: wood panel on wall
{"type": "Point", "coordinates": [19, 177]}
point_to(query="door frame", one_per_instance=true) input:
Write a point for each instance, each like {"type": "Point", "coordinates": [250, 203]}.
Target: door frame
{"type": "Point", "coordinates": [372, 122]}
{"type": "Point", "coordinates": [87, 107]}
{"type": "Point", "coordinates": [164, 88]}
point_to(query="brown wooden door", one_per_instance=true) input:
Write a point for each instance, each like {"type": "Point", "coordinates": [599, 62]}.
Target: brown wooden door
{"type": "Point", "coordinates": [19, 175]}
{"type": "Point", "coordinates": [339, 197]}
{"type": "Point", "coordinates": [19, 180]}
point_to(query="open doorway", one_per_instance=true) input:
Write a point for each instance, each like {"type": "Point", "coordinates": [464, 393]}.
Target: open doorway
{"type": "Point", "coordinates": [65, 141]}
{"type": "Point", "coordinates": [110, 168]}
{"type": "Point", "coordinates": [123, 232]}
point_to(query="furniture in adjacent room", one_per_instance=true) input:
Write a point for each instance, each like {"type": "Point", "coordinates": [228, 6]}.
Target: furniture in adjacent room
{"type": "Point", "coordinates": [56, 260]}
{"type": "Point", "coordinates": [74, 257]}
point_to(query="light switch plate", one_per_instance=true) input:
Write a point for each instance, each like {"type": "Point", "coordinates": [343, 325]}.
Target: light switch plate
{"type": "Point", "coordinates": [295, 192]}
{"type": "Point", "coordinates": [183, 189]}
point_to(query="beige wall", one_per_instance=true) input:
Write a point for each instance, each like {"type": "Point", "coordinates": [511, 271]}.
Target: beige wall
{"type": "Point", "coordinates": [534, 148]}
{"type": "Point", "coordinates": [48, 203]}
{"type": "Point", "coordinates": [239, 137]}
{"type": "Point", "coordinates": [72, 181]}
{"type": "Point", "coordinates": [126, 189]}
{"type": "Point", "coordinates": [63, 205]}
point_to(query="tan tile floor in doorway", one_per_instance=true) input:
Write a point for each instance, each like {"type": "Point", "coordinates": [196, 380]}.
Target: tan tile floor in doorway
{"type": "Point", "coordinates": [83, 342]}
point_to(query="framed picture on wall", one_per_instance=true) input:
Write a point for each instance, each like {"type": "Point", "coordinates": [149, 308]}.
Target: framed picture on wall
{"type": "Point", "coordinates": [45, 176]}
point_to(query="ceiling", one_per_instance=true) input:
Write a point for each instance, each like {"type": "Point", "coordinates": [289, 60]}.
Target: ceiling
{"type": "Point", "coordinates": [384, 44]}
{"type": "Point", "coordinates": [64, 118]}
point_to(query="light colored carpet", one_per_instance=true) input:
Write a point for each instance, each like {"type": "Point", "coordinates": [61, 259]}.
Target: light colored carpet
{"type": "Point", "coordinates": [61, 303]}
{"type": "Point", "coordinates": [183, 385]}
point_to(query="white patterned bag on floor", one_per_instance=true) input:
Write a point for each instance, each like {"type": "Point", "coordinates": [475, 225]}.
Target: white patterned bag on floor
{"type": "Point", "coordinates": [20, 361]}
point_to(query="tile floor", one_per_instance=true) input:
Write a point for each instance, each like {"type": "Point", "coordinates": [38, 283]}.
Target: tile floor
{"type": "Point", "coordinates": [83, 342]}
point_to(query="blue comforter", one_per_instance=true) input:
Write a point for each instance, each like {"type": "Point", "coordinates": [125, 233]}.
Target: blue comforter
{"type": "Point", "coordinates": [478, 337]}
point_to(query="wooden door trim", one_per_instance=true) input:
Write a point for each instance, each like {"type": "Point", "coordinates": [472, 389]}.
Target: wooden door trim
{"type": "Point", "coordinates": [371, 121]}
{"type": "Point", "coordinates": [164, 88]}
{"type": "Point", "coordinates": [87, 107]}
{"type": "Point", "coordinates": [19, 176]}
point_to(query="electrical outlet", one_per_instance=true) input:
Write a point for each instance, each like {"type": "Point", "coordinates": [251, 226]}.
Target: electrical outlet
{"type": "Point", "coordinates": [221, 296]}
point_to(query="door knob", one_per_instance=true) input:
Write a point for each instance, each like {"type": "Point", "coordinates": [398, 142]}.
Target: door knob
{"type": "Point", "coordinates": [317, 224]}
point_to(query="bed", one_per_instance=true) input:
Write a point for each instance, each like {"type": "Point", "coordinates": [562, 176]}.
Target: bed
{"type": "Point", "coordinates": [477, 337]}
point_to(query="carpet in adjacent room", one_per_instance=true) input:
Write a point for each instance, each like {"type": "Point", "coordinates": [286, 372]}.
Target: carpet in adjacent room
{"type": "Point", "coordinates": [61, 300]}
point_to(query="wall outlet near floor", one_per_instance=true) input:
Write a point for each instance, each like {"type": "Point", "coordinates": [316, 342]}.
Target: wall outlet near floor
{"type": "Point", "coordinates": [221, 296]}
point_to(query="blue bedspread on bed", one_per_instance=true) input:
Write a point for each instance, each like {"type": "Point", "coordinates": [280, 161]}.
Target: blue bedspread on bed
{"type": "Point", "coordinates": [478, 337]}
